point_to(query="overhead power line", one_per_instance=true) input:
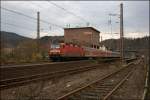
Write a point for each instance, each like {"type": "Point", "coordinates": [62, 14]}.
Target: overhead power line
{"type": "Point", "coordinates": [19, 13]}
{"type": "Point", "coordinates": [17, 26]}
{"type": "Point", "coordinates": [81, 18]}
{"type": "Point", "coordinates": [10, 17]}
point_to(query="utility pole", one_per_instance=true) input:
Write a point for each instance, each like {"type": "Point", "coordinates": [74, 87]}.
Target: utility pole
{"type": "Point", "coordinates": [101, 39]}
{"type": "Point", "coordinates": [38, 30]}
{"type": "Point", "coordinates": [110, 23]}
{"type": "Point", "coordinates": [121, 33]}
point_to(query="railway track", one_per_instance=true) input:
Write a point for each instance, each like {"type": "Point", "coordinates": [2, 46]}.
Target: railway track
{"type": "Point", "coordinates": [18, 75]}
{"type": "Point", "coordinates": [102, 88]}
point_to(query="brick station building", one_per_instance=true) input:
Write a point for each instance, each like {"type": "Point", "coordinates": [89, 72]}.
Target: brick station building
{"type": "Point", "coordinates": [84, 36]}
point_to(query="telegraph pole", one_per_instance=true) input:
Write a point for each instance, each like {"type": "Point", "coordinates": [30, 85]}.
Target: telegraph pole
{"type": "Point", "coordinates": [38, 30]}
{"type": "Point", "coordinates": [121, 33]}
{"type": "Point", "coordinates": [101, 39]}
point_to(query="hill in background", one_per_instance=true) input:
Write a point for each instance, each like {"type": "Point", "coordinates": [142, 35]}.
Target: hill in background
{"type": "Point", "coordinates": [129, 43]}
{"type": "Point", "coordinates": [11, 40]}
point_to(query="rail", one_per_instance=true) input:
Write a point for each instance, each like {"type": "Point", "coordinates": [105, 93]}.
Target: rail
{"type": "Point", "coordinates": [146, 83]}
{"type": "Point", "coordinates": [94, 86]}
{"type": "Point", "coordinates": [18, 75]}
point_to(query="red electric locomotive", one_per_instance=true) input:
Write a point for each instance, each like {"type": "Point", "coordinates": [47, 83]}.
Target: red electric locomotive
{"type": "Point", "coordinates": [66, 51]}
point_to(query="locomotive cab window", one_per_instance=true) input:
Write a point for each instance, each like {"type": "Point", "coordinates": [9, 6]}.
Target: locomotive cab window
{"type": "Point", "coordinates": [55, 46]}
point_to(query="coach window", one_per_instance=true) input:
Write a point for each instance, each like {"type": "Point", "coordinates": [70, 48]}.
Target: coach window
{"type": "Point", "coordinates": [97, 47]}
{"type": "Point", "coordinates": [94, 46]}
{"type": "Point", "coordinates": [76, 45]}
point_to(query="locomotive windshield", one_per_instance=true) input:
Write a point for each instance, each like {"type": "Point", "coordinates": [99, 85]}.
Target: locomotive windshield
{"type": "Point", "coordinates": [55, 46]}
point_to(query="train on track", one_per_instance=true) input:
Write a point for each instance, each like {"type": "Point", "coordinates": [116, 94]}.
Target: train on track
{"type": "Point", "coordinates": [76, 52]}
{"type": "Point", "coordinates": [80, 43]}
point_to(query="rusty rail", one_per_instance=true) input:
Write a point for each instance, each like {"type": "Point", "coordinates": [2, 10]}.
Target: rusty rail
{"type": "Point", "coordinates": [8, 82]}
{"type": "Point", "coordinates": [64, 97]}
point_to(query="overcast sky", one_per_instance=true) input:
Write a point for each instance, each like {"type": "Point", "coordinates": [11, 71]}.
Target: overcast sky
{"type": "Point", "coordinates": [76, 13]}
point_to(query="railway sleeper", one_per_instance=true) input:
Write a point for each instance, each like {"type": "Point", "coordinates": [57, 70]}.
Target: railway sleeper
{"type": "Point", "coordinates": [104, 86]}
{"type": "Point", "coordinates": [84, 98]}
{"type": "Point", "coordinates": [102, 89]}
{"type": "Point", "coordinates": [94, 93]}
{"type": "Point", "coordinates": [89, 96]}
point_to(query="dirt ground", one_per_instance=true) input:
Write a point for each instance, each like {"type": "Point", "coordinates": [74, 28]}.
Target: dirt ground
{"type": "Point", "coordinates": [52, 89]}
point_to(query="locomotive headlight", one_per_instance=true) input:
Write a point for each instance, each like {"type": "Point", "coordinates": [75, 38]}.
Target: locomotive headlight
{"type": "Point", "coordinates": [55, 51]}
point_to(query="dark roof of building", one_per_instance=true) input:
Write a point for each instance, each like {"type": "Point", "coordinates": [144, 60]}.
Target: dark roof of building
{"type": "Point", "coordinates": [84, 28]}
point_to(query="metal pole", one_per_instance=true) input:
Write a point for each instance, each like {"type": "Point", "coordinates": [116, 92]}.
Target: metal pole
{"type": "Point", "coordinates": [38, 30]}
{"type": "Point", "coordinates": [110, 25]}
{"type": "Point", "coordinates": [91, 41]}
{"type": "Point", "coordinates": [121, 32]}
{"type": "Point", "coordinates": [110, 29]}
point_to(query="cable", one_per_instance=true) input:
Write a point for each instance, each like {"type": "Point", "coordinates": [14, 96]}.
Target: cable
{"type": "Point", "coordinates": [11, 17]}
{"type": "Point", "coordinates": [52, 24]}
{"type": "Point", "coordinates": [17, 26]}
{"type": "Point", "coordinates": [38, 5]}
{"type": "Point", "coordinates": [68, 11]}
{"type": "Point", "coordinates": [31, 2]}
{"type": "Point", "coordinates": [81, 18]}
{"type": "Point", "coordinates": [19, 13]}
